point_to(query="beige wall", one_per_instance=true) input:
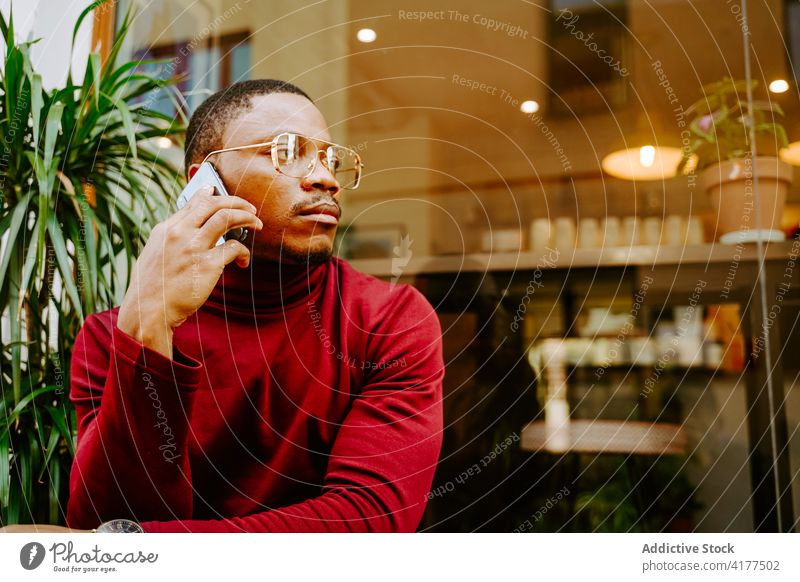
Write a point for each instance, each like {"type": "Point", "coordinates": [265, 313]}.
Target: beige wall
{"type": "Point", "coordinates": [483, 163]}
{"type": "Point", "coordinates": [392, 158]}
{"type": "Point", "coordinates": [286, 42]}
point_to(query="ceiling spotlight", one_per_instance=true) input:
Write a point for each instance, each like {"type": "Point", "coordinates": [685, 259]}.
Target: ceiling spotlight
{"type": "Point", "coordinates": [529, 107]}
{"type": "Point", "coordinates": [366, 35]}
{"type": "Point", "coordinates": [779, 86]}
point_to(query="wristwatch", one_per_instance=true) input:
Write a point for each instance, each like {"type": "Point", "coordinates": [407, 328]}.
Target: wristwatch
{"type": "Point", "coordinates": [118, 526]}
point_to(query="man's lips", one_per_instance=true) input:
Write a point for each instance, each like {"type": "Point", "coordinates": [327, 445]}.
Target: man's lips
{"type": "Point", "coordinates": [323, 213]}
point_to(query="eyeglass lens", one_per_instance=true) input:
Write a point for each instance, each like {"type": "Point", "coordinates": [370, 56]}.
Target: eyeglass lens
{"type": "Point", "coordinates": [296, 156]}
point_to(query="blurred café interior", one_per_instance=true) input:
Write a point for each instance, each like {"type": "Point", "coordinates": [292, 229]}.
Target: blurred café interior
{"type": "Point", "coordinates": [571, 184]}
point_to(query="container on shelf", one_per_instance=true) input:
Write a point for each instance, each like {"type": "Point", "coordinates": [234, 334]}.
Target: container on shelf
{"type": "Point", "coordinates": [674, 230]}
{"type": "Point", "coordinates": [651, 231]}
{"type": "Point", "coordinates": [564, 235]}
{"type": "Point", "coordinates": [501, 240]}
{"type": "Point", "coordinates": [588, 233]}
{"type": "Point", "coordinates": [541, 235]}
{"type": "Point", "coordinates": [694, 231]}
{"type": "Point", "coordinates": [630, 231]}
{"type": "Point", "coordinates": [611, 231]}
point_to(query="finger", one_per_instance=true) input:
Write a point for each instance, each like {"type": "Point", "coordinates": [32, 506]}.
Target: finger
{"type": "Point", "coordinates": [206, 205]}
{"type": "Point", "coordinates": [196, 200]}
{"type": "Point", "coordinates": [226, 219]}
{"type": "Point", "coordinates": [206, 191]}
{"type": "Point", "coordinates": [231, 251]}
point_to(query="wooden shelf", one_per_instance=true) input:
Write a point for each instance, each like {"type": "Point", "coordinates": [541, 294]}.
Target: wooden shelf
{"type": "Point", "coordinates": [607, 257]}
{"type": "Point", "coordinates": [605, 436]}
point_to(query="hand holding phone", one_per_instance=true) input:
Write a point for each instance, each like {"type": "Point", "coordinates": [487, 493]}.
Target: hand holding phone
{"type": "Point", "coordinates": [182, 262]}
{"type": "Point", "coordinates": [206, 175]}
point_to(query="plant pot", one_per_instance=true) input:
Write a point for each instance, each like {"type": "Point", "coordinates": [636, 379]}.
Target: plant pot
{"type": "Point", "coordinates": [731, 187]}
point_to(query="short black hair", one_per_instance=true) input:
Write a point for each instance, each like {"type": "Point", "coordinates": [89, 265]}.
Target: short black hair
{"type": "Point", "coordinates": [209, 120]}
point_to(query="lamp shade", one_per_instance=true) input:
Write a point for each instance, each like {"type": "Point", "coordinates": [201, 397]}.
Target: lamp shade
{"type": "Point", "coordinates": [791, 155]}
{"type": "Point", "coordinates": [646, 162]}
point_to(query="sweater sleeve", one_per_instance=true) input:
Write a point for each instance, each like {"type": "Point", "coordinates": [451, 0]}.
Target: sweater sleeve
{"type": "Point", "coordinates": [384, 456]}
{"type": "Point", "coordinates": [132, 405]}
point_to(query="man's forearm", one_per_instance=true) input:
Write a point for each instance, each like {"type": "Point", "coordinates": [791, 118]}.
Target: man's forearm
{"type": "Point", "coordinates": [132, 454]}
{"type": "Point", "coordinates": [341, 511]}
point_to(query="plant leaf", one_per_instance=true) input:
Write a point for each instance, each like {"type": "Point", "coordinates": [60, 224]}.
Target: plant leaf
{"type": "Point", "coordinates": [54, 490]}
{"type": "Point", "coordinates": [11, 247]}
{"type": "Point", "coordinates": [82, 17]}
{"type": "Point", "coordinates": [37, 105]}
{"type": "Point", "coordinates": [127, 122]}
{"type": "Point", "coordinates": [5, 469]}
{"type": "Point", "coordinates": [64, 267]}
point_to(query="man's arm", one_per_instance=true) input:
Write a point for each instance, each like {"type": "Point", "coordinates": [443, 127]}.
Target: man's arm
{"type": "Point", "coordinates": [385, 453]}
{"type": "Point", "coordinates": [132, 405]}
{"type": "Point", "coordinates": [131, 389]}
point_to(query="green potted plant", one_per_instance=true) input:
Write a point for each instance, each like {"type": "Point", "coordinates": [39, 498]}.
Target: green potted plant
{"type": "Point", "coordinates": [720, 148]}
{"type": "Point", "coordinates": [80, 188]}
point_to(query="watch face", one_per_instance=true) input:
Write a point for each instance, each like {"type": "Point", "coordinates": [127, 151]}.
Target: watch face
{"type": "Point", "coordinates": [120, 526]}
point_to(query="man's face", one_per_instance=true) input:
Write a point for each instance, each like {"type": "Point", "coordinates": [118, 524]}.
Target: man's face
{"type": "Point", "coordinates": [287, 236]}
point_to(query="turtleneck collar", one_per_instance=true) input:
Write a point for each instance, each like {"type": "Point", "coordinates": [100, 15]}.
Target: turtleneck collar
{"type": "Point", "coordinates": [267, 286]}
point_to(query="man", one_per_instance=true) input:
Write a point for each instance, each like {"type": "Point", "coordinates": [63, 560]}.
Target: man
{"type": "Point", "coordinates": [263, 386]}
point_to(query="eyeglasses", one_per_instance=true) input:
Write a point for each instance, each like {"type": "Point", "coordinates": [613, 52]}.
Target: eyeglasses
{"type": "Point", "coordinates": [296, 156]}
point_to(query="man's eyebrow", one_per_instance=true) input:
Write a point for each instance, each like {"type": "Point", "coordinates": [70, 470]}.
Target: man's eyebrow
{"type": "Point", "coordinates": [266, 138]}
{"type": "Point", "coordinates": [269, 137]}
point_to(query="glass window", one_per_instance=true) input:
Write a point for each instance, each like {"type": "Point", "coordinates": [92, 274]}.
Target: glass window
{"type": "Point", "coordinates": [560, 146]}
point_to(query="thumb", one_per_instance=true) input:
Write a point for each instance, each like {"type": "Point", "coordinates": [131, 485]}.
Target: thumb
{"type": "Point", "coordinates": [231, 251]}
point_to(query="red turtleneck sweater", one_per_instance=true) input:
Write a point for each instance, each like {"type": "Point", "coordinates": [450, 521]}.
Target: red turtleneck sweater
{"type": "Point", "coordinates": [297, 399]}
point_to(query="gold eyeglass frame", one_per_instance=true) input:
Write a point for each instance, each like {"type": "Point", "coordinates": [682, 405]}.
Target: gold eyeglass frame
{"type": "Point", "coordinates": [276, 165]}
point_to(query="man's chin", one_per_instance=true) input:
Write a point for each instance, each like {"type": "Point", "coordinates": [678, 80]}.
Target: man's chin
{"type": "Point", "coordinates": [309, 258]}
{"type": "Point", "coordinates": [292, 256]}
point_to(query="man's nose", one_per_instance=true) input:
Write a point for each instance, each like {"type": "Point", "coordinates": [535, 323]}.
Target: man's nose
{"type": "Point", "coordinates": [321, 179]}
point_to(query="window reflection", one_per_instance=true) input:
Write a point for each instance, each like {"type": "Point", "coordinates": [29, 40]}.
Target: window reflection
{"type": "Point", "coordinates": [434, 104]}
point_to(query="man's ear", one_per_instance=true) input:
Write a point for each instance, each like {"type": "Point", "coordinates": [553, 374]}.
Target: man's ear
{"type": "Point", "coordinates": [192, 171]}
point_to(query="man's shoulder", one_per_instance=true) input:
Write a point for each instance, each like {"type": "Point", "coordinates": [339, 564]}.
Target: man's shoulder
{"type": "Point", "coordinates": [370, 287]}
{"type": "Point", "coordinates": [380, 297]}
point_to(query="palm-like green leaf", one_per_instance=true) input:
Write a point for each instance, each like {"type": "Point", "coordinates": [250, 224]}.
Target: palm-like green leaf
{"type": "Point", "coordinates": [79, 193]}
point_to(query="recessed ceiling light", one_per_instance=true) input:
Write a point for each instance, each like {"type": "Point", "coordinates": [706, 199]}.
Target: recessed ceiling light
{"type": "Point", "coordinates": [529, 107]}
{"type": "Point", "coordinates": [779, 86]}
{"type": "Point", "coordinates": [164, 142]}
{"type": "Point", "coordinates": [366, 35]}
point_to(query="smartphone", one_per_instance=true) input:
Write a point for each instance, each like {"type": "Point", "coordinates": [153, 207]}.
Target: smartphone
{"type": "Point", "coordinates": [206, 175]}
